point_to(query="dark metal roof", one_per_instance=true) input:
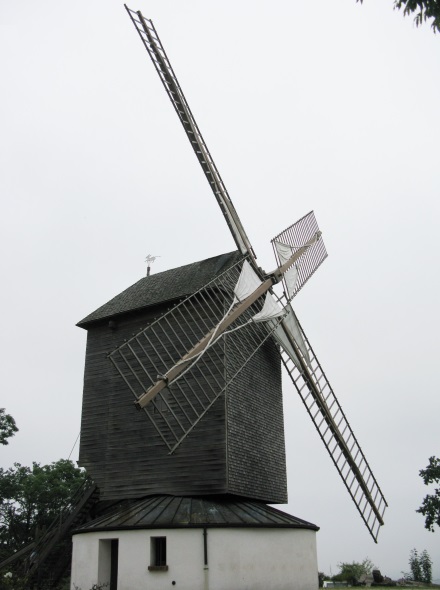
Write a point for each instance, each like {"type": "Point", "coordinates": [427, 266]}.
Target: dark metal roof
{"type": "Point", "coordinates": [184, 512]}
{"type": "Point", "coordinates": [163, 286]}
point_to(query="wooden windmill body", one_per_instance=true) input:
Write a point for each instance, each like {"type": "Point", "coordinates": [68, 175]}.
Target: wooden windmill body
{"type": "Point", "coordinates": [238, 447]}
{"type": "Point", "coordinates": [199, 349]}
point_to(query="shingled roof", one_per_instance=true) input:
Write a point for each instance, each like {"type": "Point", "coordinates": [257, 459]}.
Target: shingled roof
{"type": "Point", "coordinates": [163, 286]}
{"type": "Point", "coordinates": [186, 512]}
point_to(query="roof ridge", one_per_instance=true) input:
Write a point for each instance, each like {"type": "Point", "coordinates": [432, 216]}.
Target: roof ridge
{"type": "Point", "coordinates": [168, 285]}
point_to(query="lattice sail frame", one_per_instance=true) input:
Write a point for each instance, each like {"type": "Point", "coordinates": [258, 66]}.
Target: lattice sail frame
{"type": "Point", "coordinates": [335, 432]}
{"type": "Point", "coordinates": [157, 53]}
{"type": "Point", "coordinates": [295, 236]}
{"type": "Point", "coordinates": [177, 409]}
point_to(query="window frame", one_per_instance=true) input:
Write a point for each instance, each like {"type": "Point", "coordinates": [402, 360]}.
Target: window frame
{"type": "Point", "coordinates": [158, 554]}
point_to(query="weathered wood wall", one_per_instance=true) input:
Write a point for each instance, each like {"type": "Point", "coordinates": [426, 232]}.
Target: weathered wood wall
{"type": "Point", "coordinates": [256, 446]}
{"type": "Point", "coordinates": [237, 448]}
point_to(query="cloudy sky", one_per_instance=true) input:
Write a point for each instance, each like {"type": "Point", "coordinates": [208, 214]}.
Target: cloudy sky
{"type": "Point", "coordinates": [324, 105]}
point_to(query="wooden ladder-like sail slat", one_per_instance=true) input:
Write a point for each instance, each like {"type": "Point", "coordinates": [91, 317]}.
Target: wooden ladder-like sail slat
{"type": "Point", "coordinates": [338, 437]}
{"type": "Point", "coordinates": [154, 47]}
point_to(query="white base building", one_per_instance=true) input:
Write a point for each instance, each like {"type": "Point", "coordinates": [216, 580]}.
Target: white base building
{"type": "Point", "coordinates": [162, 542]}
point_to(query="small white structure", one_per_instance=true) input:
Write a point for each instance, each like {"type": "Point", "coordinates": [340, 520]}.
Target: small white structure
{"type": "Point", "coordinates": [263, 549]}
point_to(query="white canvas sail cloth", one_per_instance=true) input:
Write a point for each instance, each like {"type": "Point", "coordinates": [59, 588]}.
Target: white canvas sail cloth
{"type": "Point", "coordinates": [247, 283]}
{"type": "Point", "coordinates": [291, 326]}
{"type": "Point", "coordinates": [270, 310]}
{"type": "Point", "coordinates": [291, 275]}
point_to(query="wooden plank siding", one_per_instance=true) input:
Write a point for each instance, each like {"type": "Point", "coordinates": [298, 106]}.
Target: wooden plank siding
{"type": "Point", "coordinates": [237, 448]}
{"type": "Point", "coordinates": [255, 433]}
{"type": "Point", "coordinates": [119, 446]}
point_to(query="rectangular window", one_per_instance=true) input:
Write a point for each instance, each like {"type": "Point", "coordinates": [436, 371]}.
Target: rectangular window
{"type": "Point", "coordinates": [158, 554]}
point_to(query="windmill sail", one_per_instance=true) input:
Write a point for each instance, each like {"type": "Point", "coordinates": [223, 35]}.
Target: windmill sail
{"type": "Point", "coordinates": [333, 427]}
{"type": "Point", "coordinates": [172, 366]}
{"type": "Point", "coordinates": [153, 45]}
{"type": "Point", "coordinates": [289, 241]}
{"type": "Point", "coordinates": [178, 407]}
{"type": "Point", "coordinates": [289, 329]}
{"type": "Point", "coordinates": [179, 366]}
{"type": "Point", "coordinates": [247, 291]}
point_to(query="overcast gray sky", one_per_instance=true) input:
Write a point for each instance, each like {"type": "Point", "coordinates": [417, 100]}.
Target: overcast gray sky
{"type": "Point", "coordinates": [324, 105]}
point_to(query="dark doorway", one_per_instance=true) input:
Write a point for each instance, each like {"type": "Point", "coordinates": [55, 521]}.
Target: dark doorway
{"type": "Point", "coordinates": [114, 564]}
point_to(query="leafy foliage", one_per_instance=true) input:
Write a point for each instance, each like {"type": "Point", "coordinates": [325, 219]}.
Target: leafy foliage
{"type": "Point", "coordinates": [7, 427]}
{"type": "Point", "coordinates": [421, 566]}
{"type": "Point", "coordinates": [10, 581]}
{"type": "Point", "coordinates": [426, 567]}
{"type": "Point", "coordinates": [424, 9]}
{"type": "Point", "coordinates": [352, 572]}
{"type": "Point", "coordinates": [321, 577]}
{"type": "Point", "coordinates": [430, 507]}
{"type": "Point", "coordinates": [31, 499]}
{"type": "Point", "coordinates": [414, 564]}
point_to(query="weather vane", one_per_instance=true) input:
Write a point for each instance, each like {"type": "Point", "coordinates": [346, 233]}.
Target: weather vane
{"type": "Point", "coordinates": [149, 260]}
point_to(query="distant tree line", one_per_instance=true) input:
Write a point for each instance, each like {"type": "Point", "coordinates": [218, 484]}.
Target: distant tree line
{"type": "Point", "coordinates": [354, 573]}
{"type": "Point", "coordinates": [421, 567]}
{"type": "Point", "coordinates": [351, 573]}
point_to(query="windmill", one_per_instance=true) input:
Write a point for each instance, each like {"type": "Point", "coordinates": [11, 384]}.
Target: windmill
{"type": "Point", "coordinates": [200, 348]}
{"type": "Point", "coordinates": [172, 366]}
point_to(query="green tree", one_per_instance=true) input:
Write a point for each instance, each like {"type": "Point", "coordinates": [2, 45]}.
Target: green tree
{"type": "Point", "coordinates": [352, 572]}
{"type": "Point", "coordinates": [423, 9]}
{"type": "Point", "coordinates": [32, 498]}
{"type": "Point", "coordinates": [321, 577]}
{"type": "Point", "coordinates": [426, 567]}
{"type": "Point", "coordinates": [430, 507]}
{"type": "Point", "coordinates": [414, 564]}
{"type": "Point", "coordinates": [421, 566]}
{"type": "Point", "coordinates": [7, 427]}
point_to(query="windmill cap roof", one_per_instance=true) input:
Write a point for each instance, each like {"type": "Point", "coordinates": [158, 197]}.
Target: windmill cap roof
{"type": "Point", "coordinates": [164, 286]}
{"type": "Point", "coordinates": [187, 512]}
